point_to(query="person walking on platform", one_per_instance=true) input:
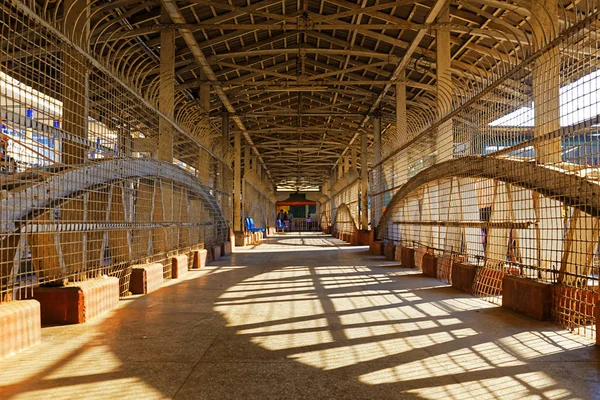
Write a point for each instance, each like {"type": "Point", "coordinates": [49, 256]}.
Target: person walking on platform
{"type": "Point", "coordinates": [290, 218]}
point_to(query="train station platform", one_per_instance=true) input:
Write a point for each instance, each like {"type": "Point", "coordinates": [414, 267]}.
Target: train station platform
{"type": "Point", "coordinates": [305, 316]}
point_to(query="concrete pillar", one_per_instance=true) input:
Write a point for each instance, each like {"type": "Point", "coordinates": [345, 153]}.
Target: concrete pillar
{"type": "Point", "coordinates": [166, 96]}
{"type": "Point", "coordinates": [364, 181]}
{"type": "Point", "coordinates": [346, 164]}
{"type": "Point", "coordinates": [445, 134]}
{"type": "Point", "coordinates": [332, 179]}
{"type": "Point", "coordinates": [340, 170]}
{"type": "Point", "coordinates": [401, 129]}
{"type": "Point", "coordinates": [237, 181]}
{"type": "Point", "coordinates": [546, 84]}
{"type": "Point", "coordinates": [353, 156]}
{"type": "Point", "coordinates": [75, 87]}
{"type": "Point", "coordinates": [378, 183]}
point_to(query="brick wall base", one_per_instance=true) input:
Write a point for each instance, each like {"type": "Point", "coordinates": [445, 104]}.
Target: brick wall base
{"type": "Point", "coordinates": [20, 326]}
{"type": "Point", "coordinates": [463, 276]}
{"type": "Point", "coordinates": [429, 265]}
{"type": "Point", "coordinates": [179, 266]}
{"type": "Point", "coordinates": [145, 278]}
{"type": "Point", "coordinates": [199, 258]}
{"type": "Point", "coordinates": [407, 257]}
{"type": "Point", "coordinates": [390, 252]}
{"type": "Point", "coordinates": [527, 296]}
{"type": "Point", "coordinates": [77, 302]}
{"type": "Point", "coordinates": [376, 248]}
{"type": "Point", "coordinates": [215, 252]}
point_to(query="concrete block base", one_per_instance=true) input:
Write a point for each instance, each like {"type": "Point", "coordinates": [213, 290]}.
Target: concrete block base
{"type": "Point", "coordinates": [390, 252]}
{"type": "Point", "coordinates": [377, 248]}
{"type": "Point", "coordinates": [146, 278]}
{"type": "Point", "coordinates": [463, 276]}
{"type": "Point", "coordinates": [365, 238]}
{"type": "Point", "coordinates": [77, 302]}
{"type": "Point", "coordinates": [215, 252]}
{"type": "Point", "coordinates": [20, 326]}
{"type": "Point", "coordinates": [179, 266]}
{"type": "Point", "coordinates": [429, 265]}
{"type": "Point", "coordinates": [407, 257]}
{"type": "Point", "coordinates": [239, 239]}
{"type": "Point", "coordinates": [527, 296]}
{"type": "Point", "coordinates": [199, 258]}
{"type": "Point", "coordinates": [226, 248]}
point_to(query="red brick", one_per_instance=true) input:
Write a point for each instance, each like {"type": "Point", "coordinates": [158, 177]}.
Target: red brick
{"type": "Point", "coordinates": [215, 252]}
{"type": "Point", "coordinates": [146, 278]}
{"type": "Point", "coordinates": [179, 266]}
{"type": "Point", "coordinates": [407, 257]}
{"type": "Point", "coordinates": [77, 302]}
{"type": "Point", "coordinates": [429, 265]}
{"type": "Point", "coordinates": [390, 251]}
{"type": "Point", "coordinates": [463, 276]}
{"type": "Point", "coordinates": [377, 248]}
{"type": "Point", "coordinates": [527, 296]}
{"type": "Point", "coordinates": [20, 326]}
{"type": "Point", "coordinates": [199, 258]}
{"type": "Point", "coordinates": [226, 248]}
{"type": "Point", "coordinates": [365, 238]}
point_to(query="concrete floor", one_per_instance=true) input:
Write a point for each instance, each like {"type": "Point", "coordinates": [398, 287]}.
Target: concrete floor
{"type": "Point", "coordinates": [305, 317]}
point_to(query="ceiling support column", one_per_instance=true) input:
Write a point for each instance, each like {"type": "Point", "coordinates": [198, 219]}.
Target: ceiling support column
{"type": "Point", "coordinates": [353, 156]}
{"type": "Point", "coordinates": [237, 181]}
{"type": "Point", "coordinates": [377, 200]}
{"type": "Point", "coordinates": [546, 85]}
{"type": "Point", "coordinates": [75, 85]}
{"type": "Point", "coordinates": [225, 126]}
{"type": "Point", "coordinates": [401, 129]}
{"type": "Point", "coordinates": [364, 181]}
{"type": "Point", "coordinates": [445, 134]}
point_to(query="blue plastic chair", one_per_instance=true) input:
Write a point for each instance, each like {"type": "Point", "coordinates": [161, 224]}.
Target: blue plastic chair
{"type": "Point", "coordinates": [253, 228]}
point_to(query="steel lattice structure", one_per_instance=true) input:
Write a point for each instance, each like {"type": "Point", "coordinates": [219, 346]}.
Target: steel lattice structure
{"type": "Point", "coordinates": [125, 122]}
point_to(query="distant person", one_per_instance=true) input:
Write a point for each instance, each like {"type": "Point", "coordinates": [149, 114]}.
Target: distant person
{"type": "Point", "coordinates": [290, 218]}
{"type": "Point", "coordinates": [286, 221]}
{"type": "Point", "coordinates": [309, 222]}
{"type": "Point", "coordinates": [281, 215]}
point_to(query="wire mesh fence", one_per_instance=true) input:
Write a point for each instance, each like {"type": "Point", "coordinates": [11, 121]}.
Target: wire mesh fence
{"type": "Point", "coordinates": [346, 205]}
{"type": "Point", "coordinates": [96, 177]}
{"type": "Point", "coordinates": [259, 205]}
{"type": "Point", "coordinates": [509, 179]}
